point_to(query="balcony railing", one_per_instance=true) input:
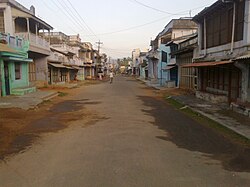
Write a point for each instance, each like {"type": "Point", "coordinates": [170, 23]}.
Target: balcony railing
{"type": "Point", "coordinates": [13, 42]}
{"type": "Point", "coordinates": [75, 61]}
{"type": "Point", "coordinates": [56, 58]}
{"type": "Point", "coordinates": [34, 40]}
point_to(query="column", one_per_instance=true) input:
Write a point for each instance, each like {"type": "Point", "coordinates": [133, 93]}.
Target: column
{"type": "Point", "coordinates": [28, 28]}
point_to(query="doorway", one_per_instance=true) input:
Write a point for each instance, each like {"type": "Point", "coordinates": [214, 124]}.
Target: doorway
{"type": "Point", "coordinates": [6, 78]}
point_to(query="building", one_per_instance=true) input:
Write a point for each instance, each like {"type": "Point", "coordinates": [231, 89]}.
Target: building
{"type": "Point", "coordinates": [64, 65]}
{"type": "Point", "coordinates": [184, 53]}
{"type": "Point", "coordinates": [162, 66]}
{"type": "Point", "coordinates": [176, 31]}
{"type": "Point", "coordinates": [143, 65]}
{"type": "Point", "coordinates": [14, 66]}
{"type": "Point", "coordinates": [19, 21]}
{"type": "Point", "coordinates": [135, 60]}
{"type": "Point", "coordinates": [90, 58]}
{"type": "Point", "coordinates": [223, 59]}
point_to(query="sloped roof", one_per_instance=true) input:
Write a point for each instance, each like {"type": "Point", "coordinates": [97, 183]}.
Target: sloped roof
{"type": "Point", "coordinates": [20, 7]}
{"type": "Point", "coordinates": [207, 10]}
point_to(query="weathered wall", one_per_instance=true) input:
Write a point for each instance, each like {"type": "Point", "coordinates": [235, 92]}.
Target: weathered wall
{"type": "Point", "coordinates": [41, 71]}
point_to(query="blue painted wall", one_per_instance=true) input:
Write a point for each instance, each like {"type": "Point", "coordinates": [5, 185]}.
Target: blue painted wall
{"type": "Point", "coordinates": [163, 75]}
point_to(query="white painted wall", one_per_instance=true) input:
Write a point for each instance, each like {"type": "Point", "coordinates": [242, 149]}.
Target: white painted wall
{"type": "Point", "coordinates": [8, 22]}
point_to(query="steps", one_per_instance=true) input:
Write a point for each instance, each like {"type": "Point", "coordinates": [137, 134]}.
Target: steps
{"type": "Point", "coordinates": [23, 91]}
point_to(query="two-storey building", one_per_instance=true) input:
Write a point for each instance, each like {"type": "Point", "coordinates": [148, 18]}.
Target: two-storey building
{"type": "Point", "coordinates": [223, 59]}
{"type": "Point", "coordinates": [14, 66]}
{"type": "Point", "coordinates": [19, 21]}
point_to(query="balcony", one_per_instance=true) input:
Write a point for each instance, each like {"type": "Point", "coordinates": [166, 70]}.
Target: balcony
{"type": "Point", "coordinates": [75, 61]}
{"type": "Point", "coordinates": [58, 59]}
{"type": "Point", "coordinates": [13, 42]}
{"type": "Point", "coordinates": [37, 44]}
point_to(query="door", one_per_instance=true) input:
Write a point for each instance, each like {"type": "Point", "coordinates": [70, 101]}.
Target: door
{"type": "Point", "coordinates": [6, 78]}
{"type": "Point", "coordinates": [174, 75]}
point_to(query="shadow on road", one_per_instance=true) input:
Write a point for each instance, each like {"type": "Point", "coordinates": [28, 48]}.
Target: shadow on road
{"type": "Point", "coordinates": [16, 137]}
{"type": "Point", "coordinates": [188, 134]}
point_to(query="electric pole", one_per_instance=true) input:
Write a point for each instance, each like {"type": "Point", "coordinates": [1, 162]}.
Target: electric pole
{"type": "Point", "coordinates": [99, 43]}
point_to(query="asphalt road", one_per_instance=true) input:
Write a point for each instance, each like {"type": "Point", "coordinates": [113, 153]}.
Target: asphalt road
{"type": "Point", "coordinates": [133, 140]}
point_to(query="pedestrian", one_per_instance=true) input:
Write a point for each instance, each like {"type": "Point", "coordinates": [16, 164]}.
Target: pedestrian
{"type": "Point", "coordinates": [111, 77]}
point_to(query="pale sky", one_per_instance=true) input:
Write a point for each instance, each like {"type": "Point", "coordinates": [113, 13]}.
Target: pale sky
{"type": "Point", "coordinates": [122, 25]}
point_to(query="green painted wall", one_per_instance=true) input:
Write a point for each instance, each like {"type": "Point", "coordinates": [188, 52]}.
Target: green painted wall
{"type": "Point", "coordinates": [2, 77]}
{"type": "Point", "coordinates": [23, 82]}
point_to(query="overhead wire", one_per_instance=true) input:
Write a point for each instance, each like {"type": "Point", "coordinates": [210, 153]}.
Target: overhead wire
{"type": "Point", "coordinates": [46, 5]}
{"type": "Point", "coordinates": [74, 18]}
{"type": "Point", "coordinates": [162, 11]}
{"type": "Point", "coordinates": [156, 9]}
{"type": "Point", "coordinates": [67, 15]}
{"type": "Point", "coordinates": [89, 28]}
{"type": "Point", "coordinates": [142, 25]}
{"type": "Point", "coordinates": [134, 27]}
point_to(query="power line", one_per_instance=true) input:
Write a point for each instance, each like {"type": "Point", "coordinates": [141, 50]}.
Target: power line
{"type": "Point", "coordinates": [145, 24]}
{"type": "Point", "coordinates": [134, 27]}
{"type": "Point", "coordinates": [162, 11]}
{"type": "Point", "coordinates": [89, 28]}
{"type": "Point", "coordinates": [70, 14]}
{"type": "Point", "coordinates": [158, 10]}
{"type": "Point", "coordinates": [64, 12]}
{"type": "Point", "coordinates": [53, 10]}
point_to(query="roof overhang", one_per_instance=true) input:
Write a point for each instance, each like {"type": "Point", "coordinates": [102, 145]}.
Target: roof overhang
{"type": "Point", "coordinates": [168, 68]}
{"type": "Point", "coordinates": [57, 65]}
{"type": "Point", "coordinates": [244, 57]}
{"type": "Point", "coordinates": [206, 11]}
{"type": "Point", "coordinates": [16, 59]}
{"type": "Point", "coordinates": [207, 64]}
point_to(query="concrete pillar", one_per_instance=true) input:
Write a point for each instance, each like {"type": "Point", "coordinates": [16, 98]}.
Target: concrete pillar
{"type": "Point", "coordinates": [8, 24]}
{"type": "Point", "coordinates": [36, 30]}
{"type": "Point", "coordinates": [244, 81]}
{"type": "Point", "coordinates": [246, 35]}
{"type": "Point", "coordinates": [13, 25]}
{"type": "Point", "coordinates": [28, 27]}
{"type": "Point", "coordinates": [248, 88]}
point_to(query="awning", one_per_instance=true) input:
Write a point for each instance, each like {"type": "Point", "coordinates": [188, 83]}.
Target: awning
{"type": "Point", "coordinates": [89, 65]}
{"type": "Point", "coordinates": [57, 65]}
{"type": "Point", "coordinates": [172, 62]}
{"type": "Point", "coordinates": [76, 67]}
{"type": "Point", "coordinates": [206, 64]}
{"type": "Point", "coordinates": [244, 57]}
{"type": "Point", "coordinates": [168, 68]}
{"type": "Point", "coordinates": [16, 59]}
{"type": "Point", "coordinates": [177, 42]}
{"type": "Point", "coordinates": [68, 67]}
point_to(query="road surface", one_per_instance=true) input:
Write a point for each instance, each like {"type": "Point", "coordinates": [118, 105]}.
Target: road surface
{"type": "Point", "coordinates": [134, 139]}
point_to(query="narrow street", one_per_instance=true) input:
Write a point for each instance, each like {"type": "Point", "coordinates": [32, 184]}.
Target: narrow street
{"type": "Point", "coordinates": [124, 135]}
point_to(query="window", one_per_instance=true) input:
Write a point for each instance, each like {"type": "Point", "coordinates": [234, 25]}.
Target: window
{"type": "Point", "coordinates": [164, 57]}
{"type": "Point", "coordinates": [219, 25]}
{"type": "Point", "coordinates": [2, 21]}
{"type": "Point", "coordinates": [17, 71]}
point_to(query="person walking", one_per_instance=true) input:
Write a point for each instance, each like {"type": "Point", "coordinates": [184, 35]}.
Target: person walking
{"type": "Point", "coordinates": [111, 77]}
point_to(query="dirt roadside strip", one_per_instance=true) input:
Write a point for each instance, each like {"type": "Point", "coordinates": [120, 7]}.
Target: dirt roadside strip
{"type": "Point", "coordinates": [28, 101]}
{"type": "Point", "coordinates": [220, 114]}
{"type": "Point", "coordinates": [25, 118]}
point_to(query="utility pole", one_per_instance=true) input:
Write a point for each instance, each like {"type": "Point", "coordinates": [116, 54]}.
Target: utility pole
{"type": "Point", "coordinates": [99, 43]}
{"type": "Point", "coordinates": [190, 13]}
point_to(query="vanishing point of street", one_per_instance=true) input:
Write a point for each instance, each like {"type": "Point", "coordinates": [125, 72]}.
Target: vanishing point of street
{"type": "Point", "coordinates": [134, 139]}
